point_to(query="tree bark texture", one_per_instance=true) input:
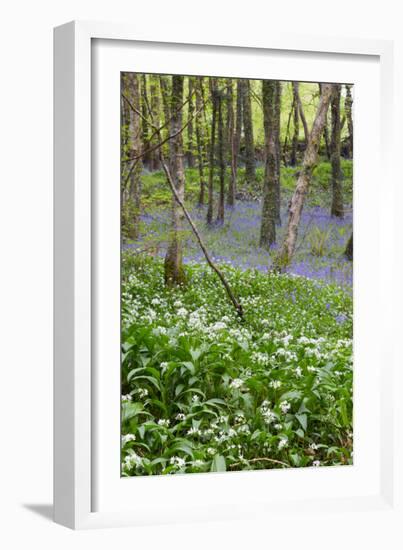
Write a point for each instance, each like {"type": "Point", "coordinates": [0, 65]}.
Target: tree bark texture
{"type": "Point", "coordinates": [304, 178]}
{"type": "Point", "coordinates": [173, 267]}
{"type": "Point", "coordinates": [337, 208]}
{"type": "Point", "coordinates": [295, 137]}
{"type": "Point", "coordinates": [200, 140]}
{"type": "Point", "coordinates": [250, 175]}
{"type": "Point", "coordinates": [210, 206]}
{"type": "Point", "coordinates": [268, 219]}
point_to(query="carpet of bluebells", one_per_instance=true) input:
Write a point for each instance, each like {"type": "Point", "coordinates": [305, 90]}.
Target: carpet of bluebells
{"type": "Point", "coordinates": [204, 391]}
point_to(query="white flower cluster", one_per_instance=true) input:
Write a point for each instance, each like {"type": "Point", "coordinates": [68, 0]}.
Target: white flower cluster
{"type": "Point", "coordinates": [285, 406]}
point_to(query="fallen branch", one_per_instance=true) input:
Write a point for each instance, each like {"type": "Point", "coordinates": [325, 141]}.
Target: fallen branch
{"type": "Point", "coordinates": [236, 304]}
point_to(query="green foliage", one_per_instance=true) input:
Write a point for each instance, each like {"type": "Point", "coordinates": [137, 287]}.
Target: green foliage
{"type": "Point", "coordinates": [204, 392]}
{"type": "Point", "coordinates": [318, 240]}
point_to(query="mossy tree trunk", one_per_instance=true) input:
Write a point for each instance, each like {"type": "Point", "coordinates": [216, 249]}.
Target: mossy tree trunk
{"type": "Point", "coordinates": [277, 129]}
{"type": "Point", "coordinates": [145, 127]}
{"type": "Point", "coordinates": [304, 179]}
{"type": "Point", "coordinates": [348, 109]}
{"type": "Point", "coordinates": [221, 158]}
{"type": "Point", "coordinates": [174, 272]}
{"type": "Point", "coordinates": [295, 137]}
{"type": "Point", "coordinates": [133, 91]}
{"type": "Point", "coordinates": [155, 108]}
{"type": "Point", "coordinates": [268, 220]}
{"type": "Point", "coordinates": [231, 143]}
{"type": "Point", "coordinates": [190, 129]}
{"type": "Point", "coordinates": [250, 175]}
{"type": "Point", "coordinates": [337, 208]}
{"type": "Point", "coordinates": [210, 206]}
{"type": "Point", "coordinates": [200, 140]}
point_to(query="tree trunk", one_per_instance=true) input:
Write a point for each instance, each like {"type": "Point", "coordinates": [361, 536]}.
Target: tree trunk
{"type": "Point", "coordinates": [304, 178]}
{"type": "Point", "coordinates": [248, 132]}
{"type": "Point", "coordinates": [348, 104]}
{"type": "Point", "coordinates": [337, 189]}
{"type": "Point", "coordinates": [349, 249]}
{"type": "Point", "coordinates": [190, 148]}
{"type": "Point", "coordinates": [210, 206]}
{"type": "Point", "coordinates": [295, 137]}
{"type": "Point", "coordinates": [326, 132]}
{"type": "Point", "coordinates": [200, 140]}
{"type": "Point", "coordinates": [268, 222]}
{"type": "Point", "coordinates": [277, 130]}
{"type": "Point", "coordinates": [231, 144]}
{"type": "Point", "coordinates": [144, 125]}
{"type": "Point", "coordinates": [136, 149]}
{"type": "Point", "coordinates": [174, 272]}
{"type": "Point", "coordinates": [221, 159]}
{"type": "Point", "coordinates": [155, 108]}
{"type": "Point", "coordinates": [165, 95]}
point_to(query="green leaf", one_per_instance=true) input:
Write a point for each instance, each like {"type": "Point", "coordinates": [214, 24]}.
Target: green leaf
{"type": "Point", "coordinates": [218, 464]}
{"type": "Point", "coordinates": [303, 420]}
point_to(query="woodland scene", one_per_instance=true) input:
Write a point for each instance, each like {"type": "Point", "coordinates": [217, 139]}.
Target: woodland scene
{"type": "Point", "coordinates": [237, 274]}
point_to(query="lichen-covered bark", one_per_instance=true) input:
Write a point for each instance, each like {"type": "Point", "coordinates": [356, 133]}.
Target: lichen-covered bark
{"type": "Point", "coordinates": [268, 219]}
{"type": "Point", "coordinates": [210, 206]}
{"type": "Point", "coordinates": [145, 128]}
{"type": "Point", "coordinates": [231, 143]}
{"type": "Point", "coordinates": [250, 175]}
{"type": "Point", "coordinates": [200, 140]}
{"type": "Point", "coordinates": [190, 146]}
{"type": "Point", "coordinates": [174, 272]}
{"type": "Point", "coordinates": [337, 208]}
{"type": "Point", "coordinates": [304, 178]}
{"type": "Point", "coordinates": [136, 148]}
{"type": "Point", "coordinates": [348, 109]}
{"type": "Point", "coordinates": [277, 127]}
{"type": "Point", "coordinates": [221, 158]}
{"type": "Point", "coordinates": [295, 137]}
{"type": "Point", "coordinates": [155, 108]}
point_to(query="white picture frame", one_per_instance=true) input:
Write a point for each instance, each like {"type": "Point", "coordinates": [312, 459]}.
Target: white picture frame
{"type": "Point", "coordinates": [82, 482]}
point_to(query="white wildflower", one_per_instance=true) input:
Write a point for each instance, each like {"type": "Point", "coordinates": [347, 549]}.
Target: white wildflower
{"type": "Point", "coordinates": [282, 443]}
{"type": "Point", "coordinates": [126, 397]}
{"type": "Point", "coordinates": [316, 463]}
{"type": "Point", "coordinates": [236, 383]}
{"type": "Point", "coordinates": [177, 461]}
{"type": "Point", "coordinates": [275, 384]}
{"type": "Point", "coordinates": [128, 437]}
{"type": "Point", "coordinates": [285, 406]}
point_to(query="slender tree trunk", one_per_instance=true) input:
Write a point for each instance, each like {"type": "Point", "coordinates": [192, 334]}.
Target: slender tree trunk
{"type": "Point", "coordinates": [231, 144]}
{"type": "Point", "coordinates": [304, 178]}
{"type": "Point", "coordinates": [248, 132]}
{"type": "Point", "coordinates": [165, 95]}
{"type": "Point", "coordinates": [174, 272]}
{"type": "Point", "coordinates": [213, 91]}
{"type": "Point", "coordinates": [295, 137]}
{"type": "Point", "coordinates": [145, 129]}
{"type": "Point", "coordinates": [221, 159]}
{"type": "Point", "coordinates": [155, 107]}
{"type": "Point", "coordinates": [277, 130]}
{"type": "Point", "coordinates": [200, 140]}
{"type": "Point", "coordinates": [136, 149]}
{"type": "Point", "coordinates": [190, 148]}
{"type": "Point", "coordinates": [326, 132]}
{"type": "Point", "coordinates": [268, 222]}
{"type": "Point", "coordinates": [348, 104]}
{"type": "Point", "coordinates": [286, 160]}
{"type": "Point", "coordinates": [349, 249]}
{"type": "Point", "coordinates": [337, 208]}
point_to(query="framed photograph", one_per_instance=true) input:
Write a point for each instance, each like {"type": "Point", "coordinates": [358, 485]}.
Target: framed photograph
{"type": "Point", "coordinates": [221, 348]}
